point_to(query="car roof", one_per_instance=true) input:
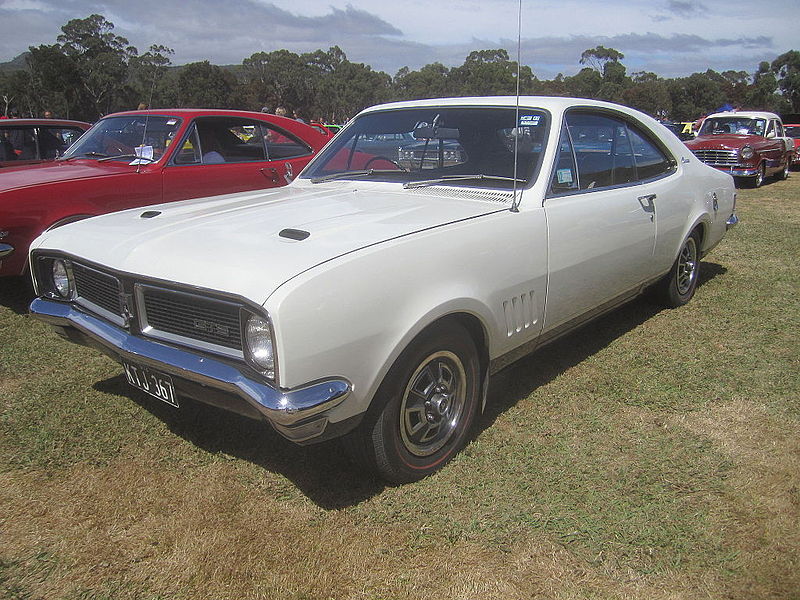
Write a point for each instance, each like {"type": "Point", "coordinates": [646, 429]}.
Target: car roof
{"type": "Point", "coordinates": [552, 103]}
{"type": "Point", "coordinates": [34, 122]}
{"type": "Point", "coordinates": [747, 114]}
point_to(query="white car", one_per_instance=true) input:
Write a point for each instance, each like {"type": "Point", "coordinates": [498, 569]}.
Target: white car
{"type": "Point", "coordinates": [373, 296]}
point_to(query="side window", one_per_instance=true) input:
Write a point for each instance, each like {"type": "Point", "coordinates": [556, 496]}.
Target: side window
{"type": "Point", "coordinates": [281, 144]}
{"type": "Point", "coordinates": [771, 129]}
{"type": "Point", "coordinates": [565, 175]}
{"type": "Point", "coordinates": [650, 160]}
{"type": "Point", "coordinates": [598, 141]}
{"type": "Point", "coordinates": [189, 153]}
{"type": "Point", "coordinates": [779, 129]}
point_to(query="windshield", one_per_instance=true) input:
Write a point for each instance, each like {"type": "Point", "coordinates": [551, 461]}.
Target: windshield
{"type": "Point", "coordinates": [126, 138]}
{"type": "Point", "coordinates": [739, 125]}
{"type": "Point", "coordinates": [459, 146]}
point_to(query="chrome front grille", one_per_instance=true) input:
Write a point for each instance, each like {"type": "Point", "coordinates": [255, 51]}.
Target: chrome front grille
{"type": "Point", "coordinates": [98, 292]}
{"type": "Point", "coordinates": [718, 157]}
{"type": "Point", "coordinates": [190, 319]}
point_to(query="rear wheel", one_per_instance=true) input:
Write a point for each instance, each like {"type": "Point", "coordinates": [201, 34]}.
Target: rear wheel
{"type": "Point", "coordinates": [783, 174]}
{"type": "Point", "coordinates": [679, 285]}
{"type": "Point", "coordinates": [424, 409]}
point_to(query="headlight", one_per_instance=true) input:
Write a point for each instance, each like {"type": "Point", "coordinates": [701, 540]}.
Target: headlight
{"type": "Point", "coordinates": [746, 152]}
{"type": "Point", "coordinates": [258, 337]}
{"type": "Point", "coordinates": [61, 279]}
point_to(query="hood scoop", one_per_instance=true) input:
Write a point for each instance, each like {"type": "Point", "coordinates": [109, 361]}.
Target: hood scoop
{"type": "Point", "coordinates": [294, 234]}
{"type": "Point", "coordinates": [149, 214]}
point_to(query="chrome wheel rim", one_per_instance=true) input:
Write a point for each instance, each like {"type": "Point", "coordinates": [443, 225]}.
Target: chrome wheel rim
{"type": "Point", "coordinates": [433, 404]}
{"type": "Point", "coordinates": [687, 266]}
{"type": "Point", "coordinates": [759, 177]}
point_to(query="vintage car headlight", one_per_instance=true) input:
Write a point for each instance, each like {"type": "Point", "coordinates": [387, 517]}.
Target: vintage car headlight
{"type": "Point", "coordinates": [260, 349]}
{"type": "Point", "coordinates": [62, 282]}
{"type": "Point", "coordinates": [747, 152]}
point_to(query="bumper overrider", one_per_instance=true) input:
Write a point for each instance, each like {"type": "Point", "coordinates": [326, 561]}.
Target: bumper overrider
{"type": "Point", "coordinates": [299, 414]}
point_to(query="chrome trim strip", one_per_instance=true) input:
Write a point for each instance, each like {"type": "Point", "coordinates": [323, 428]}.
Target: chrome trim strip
{"type": "Point", "coordinates": [6, 250]}
{"type": "Point", "coordinates": [283, 408]}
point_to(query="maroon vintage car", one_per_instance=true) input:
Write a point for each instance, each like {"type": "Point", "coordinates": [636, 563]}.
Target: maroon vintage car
{"type": "Point", "coordinates": [749, 145]}
{"type": "Point", "coordinates": [146, 157]}
{"type": "Point", "coordinates": [28, 141]}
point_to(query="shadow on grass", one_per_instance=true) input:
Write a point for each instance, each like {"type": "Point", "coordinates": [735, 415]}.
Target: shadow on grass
{"type": "Point", "coordinates": [16, 293]}
{"type": "Point", "coordinates": [323, 472]}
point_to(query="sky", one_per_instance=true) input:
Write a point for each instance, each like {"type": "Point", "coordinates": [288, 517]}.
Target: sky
{"type": "Point", "coordinates": [671, 38]}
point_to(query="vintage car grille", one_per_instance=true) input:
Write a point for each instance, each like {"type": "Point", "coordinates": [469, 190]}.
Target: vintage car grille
{"type": "Point", "coordinates": [183, 317]}
{"type": "Point", "coordinates": [98, 291]}
{"type": "Point", "coordinates": [718, 157]}
{"type": "Point", "coordinates": [180, 317]}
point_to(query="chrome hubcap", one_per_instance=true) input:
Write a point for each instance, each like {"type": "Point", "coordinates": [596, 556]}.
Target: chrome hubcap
{"type": "Point", "coordinates": [433, 404]}
{"type": "Point", "coordinates": [687, 266]}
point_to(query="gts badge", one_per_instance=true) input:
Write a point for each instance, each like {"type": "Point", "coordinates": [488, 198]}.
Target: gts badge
{"type": "Point", "coordinates": [211, 327]}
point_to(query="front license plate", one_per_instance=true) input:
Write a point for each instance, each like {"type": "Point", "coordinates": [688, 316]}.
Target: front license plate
{"type": "Point", "coordinates": [154, 383]}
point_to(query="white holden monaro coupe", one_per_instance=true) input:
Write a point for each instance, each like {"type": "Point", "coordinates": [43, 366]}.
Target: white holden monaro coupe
{"type": "Point", "coordinates": [428, 244]}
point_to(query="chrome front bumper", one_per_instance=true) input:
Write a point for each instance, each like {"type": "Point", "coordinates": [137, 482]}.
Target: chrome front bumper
{"type": "Point", "coordinates": [732, 221]}
{"type": "Point", "coordinates": [298, 414]}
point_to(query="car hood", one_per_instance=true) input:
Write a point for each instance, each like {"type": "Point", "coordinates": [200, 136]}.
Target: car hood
{"type": "Point", "coordinates": [233, 243]}
{"type": "Point", "coordinates": [723, 142]}
{"type": "Point", "coordinates": [59, 170]}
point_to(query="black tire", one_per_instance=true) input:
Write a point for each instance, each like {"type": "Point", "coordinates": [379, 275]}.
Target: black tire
{"type": "Point", "coordinates": [679, 285]}
{"type": "Point", "coordinates": [425, 408]}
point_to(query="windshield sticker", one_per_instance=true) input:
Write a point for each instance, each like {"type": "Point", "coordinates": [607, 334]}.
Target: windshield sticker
{"type": "Point", "coordinates": [564, 175]}
{"type": "Point", "coordinates": [172, 121]}
{"type": "Point", "coordinates": [529, 120]}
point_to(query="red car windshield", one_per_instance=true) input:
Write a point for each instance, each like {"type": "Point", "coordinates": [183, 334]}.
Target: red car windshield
{"type": "Point", "coordinates": [126, 138]}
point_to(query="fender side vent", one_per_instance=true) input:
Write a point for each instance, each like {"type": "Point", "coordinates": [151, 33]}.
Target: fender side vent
{"type": "Point", "coordinates": [294, 234]}
{"type": "Point", "coordinates": [520, 312]}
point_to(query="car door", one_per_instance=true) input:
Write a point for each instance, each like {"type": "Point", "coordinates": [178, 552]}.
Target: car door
{"type": "Point", "coordinates": [221, 155]}
{"type": "Point", "coordinates": [601, 222]}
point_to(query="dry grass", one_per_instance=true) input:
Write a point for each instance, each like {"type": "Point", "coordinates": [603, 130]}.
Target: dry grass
{"type": "Point", "coordinates": [653, 455]}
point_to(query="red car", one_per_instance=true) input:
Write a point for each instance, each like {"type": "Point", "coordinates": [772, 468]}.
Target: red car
{"type": "Point", "coordinates": [793, 131]}
{"type": "Point", "coordinates": [28, 141]}
{"type": "Point", "coordinates": [139, 158]}
{"type": "Point", "coordinates": [749, 145]}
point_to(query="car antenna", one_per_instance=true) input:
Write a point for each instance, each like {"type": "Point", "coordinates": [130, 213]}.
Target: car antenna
{"type": "Point", "coordinates": [147, 118]}
{"type": "Point", "coordinates": [515, 130]}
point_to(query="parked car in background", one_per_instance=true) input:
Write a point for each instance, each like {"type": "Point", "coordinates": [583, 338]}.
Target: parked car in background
{"type": "Point", "coordinates": [147, 157]}
{"type": "Point", "coordinates": [684, 131]}
{"type": "Point", "coordinates": [793, 131]}
{"type": "Point", "coordinates": [29, 141]}
{"type": "Point", "coordinates": [372, 299]}
{"type": "Point", "coordinates": [749, 145]}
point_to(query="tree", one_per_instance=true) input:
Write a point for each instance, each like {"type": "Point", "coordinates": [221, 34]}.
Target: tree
{"type": "Point", "coordinates": [203, 85]}
{"type": "Point", "coordinates": [598, 58]}
{"type": "Point", "coordinates": [101, 58]}
{"type": "Point", "coordinates": [147, 74]}
{"type": "Point", "coordinates": [787, 68]}
{"type": "Point", "coordinates": [55, 81]}
{"type": "Point", "coordinates": [431, 81]}
{"type": "Point", "coordinates": [763, 93]}
{"type": "Point", "coordinates": [650, 94]}
{"type": "Point", "coordinates": [489, 72]}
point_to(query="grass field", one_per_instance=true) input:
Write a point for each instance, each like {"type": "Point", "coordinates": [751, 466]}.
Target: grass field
{"type": "Point", "coordinates": [653, 455]}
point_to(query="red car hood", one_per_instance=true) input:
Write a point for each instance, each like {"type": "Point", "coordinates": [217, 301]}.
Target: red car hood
{"type": "Point", "coordinates": [28, 175]}
{"type": "Point", "coordinates": [721, 142]}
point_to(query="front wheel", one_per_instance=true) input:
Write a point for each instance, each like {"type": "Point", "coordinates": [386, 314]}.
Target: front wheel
{"type": "Point", "coordinates": [425, 408]}
{"type": "Point", "coordinates": [679, 285]}
{"type": "Point", "coordinates": [783, 174]}
{"type": "Point", "coordinates": [759, 178]}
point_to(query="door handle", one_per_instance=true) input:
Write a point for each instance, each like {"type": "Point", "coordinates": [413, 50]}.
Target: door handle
{"type": "Point", "coordinates": [271, 174]}
{"type": "Point", "coordinates": [648, 202]}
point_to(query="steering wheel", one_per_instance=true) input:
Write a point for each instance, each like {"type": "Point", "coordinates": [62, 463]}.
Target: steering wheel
{"type": "Point", "coordinates": [379, 157]}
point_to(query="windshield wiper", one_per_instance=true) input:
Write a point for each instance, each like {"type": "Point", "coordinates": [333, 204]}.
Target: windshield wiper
{"type": "Point", "coordinates": [85, 154]}
{"type": "Point", "coordinates": [119, 156]}
{"type": "Point", "coordinates": [445, 178]}
{"type": "Point", "coordinates": [345, 174]}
